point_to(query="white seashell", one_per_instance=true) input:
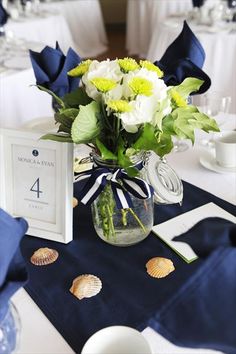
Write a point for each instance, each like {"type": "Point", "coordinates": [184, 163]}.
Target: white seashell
{"type": "Point", "coordinates": [44, 256]}
{"type": "Point", "coordinates": [159, 267]}
{"type": "Point", "coordinates": [86, 285]}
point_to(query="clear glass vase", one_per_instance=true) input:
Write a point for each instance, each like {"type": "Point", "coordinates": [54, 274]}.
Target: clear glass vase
{"type": "Point", "coordinates": [9, 331]}
{"type": "Point", "coordinates": [121, 227]}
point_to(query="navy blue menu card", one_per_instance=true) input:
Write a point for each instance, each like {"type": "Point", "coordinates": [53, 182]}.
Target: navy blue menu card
{"type": "Point", "coordinates": [129, 296]}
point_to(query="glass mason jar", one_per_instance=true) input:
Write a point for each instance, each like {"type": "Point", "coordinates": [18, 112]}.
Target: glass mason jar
{"type": "Point", "coordinates": [9, 330]}
{"type": "Point", "coordinates": [121, 227]}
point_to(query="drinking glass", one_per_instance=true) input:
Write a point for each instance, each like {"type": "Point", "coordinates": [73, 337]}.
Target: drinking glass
{"type": "Point", "coordinates": [10, 330]}
{"type": "Point", "coordinates": [215, 105]}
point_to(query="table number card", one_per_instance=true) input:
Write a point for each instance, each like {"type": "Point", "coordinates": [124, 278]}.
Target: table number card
{"type": "Point", "coordinates": [37, 183]}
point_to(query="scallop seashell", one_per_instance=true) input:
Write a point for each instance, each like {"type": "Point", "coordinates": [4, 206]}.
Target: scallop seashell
{"type": "Point", "coordinates": [44, 256]}
{"type": "Point", "coordinates": [159, 267]}
{"type": "Point", "coordinates": [75, 202]}
{"type": "Point", "coordinates": [86, 285]}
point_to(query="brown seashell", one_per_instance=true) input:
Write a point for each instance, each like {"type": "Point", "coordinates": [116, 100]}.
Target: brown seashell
{"type": "Point", "coordinates": [159, 267]}
{"type": "Point", "coordinates": [86, 285]}
{"type": "Point", "coordinates": [44, 256]}
{"type": "Point", "coordinates": [75, 202]}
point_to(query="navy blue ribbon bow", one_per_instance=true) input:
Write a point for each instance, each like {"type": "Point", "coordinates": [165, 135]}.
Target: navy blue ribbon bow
{"type": "Point", "coordinates": [92, 182]}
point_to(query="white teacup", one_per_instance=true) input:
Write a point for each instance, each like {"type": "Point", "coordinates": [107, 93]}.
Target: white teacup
{"type": "Point", "coordinates": [225, 148]}
{"type": "Point", "coordinates": [117, 340]}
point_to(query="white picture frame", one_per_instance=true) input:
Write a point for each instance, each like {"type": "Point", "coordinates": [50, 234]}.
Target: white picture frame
{"type": "Point", "coordinates": [36, 182]}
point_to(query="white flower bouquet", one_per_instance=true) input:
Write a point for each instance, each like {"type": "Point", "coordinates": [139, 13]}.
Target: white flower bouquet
{"type": "Point", "coordinates": [123, 106]}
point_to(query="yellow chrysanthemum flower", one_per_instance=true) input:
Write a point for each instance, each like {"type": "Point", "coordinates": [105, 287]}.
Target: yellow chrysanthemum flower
{"type": "Point", "coordinates": [103, 85]}
{"type": "Point", "coordinates": [81, 69]}
{"type": "Point", "coordinates": [151, 67]}
{"type": "Point", "coordinates": [128, 64]}
{"type": "Point", "coordinates": [141, 86]}
{"type": "Point", "coordinates": [119, 106]}
{"type": "Point", "coordinates": [178, 99]}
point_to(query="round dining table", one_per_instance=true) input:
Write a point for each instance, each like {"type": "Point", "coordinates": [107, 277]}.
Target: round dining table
{"type": "Point", "coordinates": [148, 14]}
{"type": "Point", "coordinates": [219, 43]}
{"type": "Point", "coordinates": [38, 335]}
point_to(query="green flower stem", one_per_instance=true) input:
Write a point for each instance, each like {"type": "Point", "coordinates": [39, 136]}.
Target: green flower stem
{"type": "Point", "coordinates": [124, 213]}
{"type": "Point", "coordinates": [137, 219]}
{"type": "Point", "coordinates": [106, 208]}
{"type": "Point", "coordinates": [110, 220]}
{"type": "Point", "coordinates": [105, 117]}
{"type": "Point", "coordinates": [117, 130]}
{"type": "Point", "coordinates": [105, 224]}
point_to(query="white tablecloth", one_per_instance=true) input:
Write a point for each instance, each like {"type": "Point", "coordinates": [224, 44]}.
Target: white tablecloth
{"type": "Point", "coordinates": [46, 30]}
{"type": "Point", "coordinates": [38, 334]}
{"type": "Point", "coordinates": [84, 18]}
{"type": "Point", "coordinates": [143, 17]}
{"type": "Point", "coordinates": [220, 48]}
{"type": "Point", "coordinates": [20, 102]}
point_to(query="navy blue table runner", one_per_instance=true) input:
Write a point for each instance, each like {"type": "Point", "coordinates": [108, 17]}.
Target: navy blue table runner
{"type": "Point", "coordinates": [129, 295]}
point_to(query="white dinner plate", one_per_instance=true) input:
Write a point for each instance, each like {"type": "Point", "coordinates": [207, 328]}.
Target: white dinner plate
{"type": "Point", "coordinates": [17, 63]}
{"type": "Point", "coordinates": [44, 125]}
{"type": "Point", "coordinates": [207, 160]}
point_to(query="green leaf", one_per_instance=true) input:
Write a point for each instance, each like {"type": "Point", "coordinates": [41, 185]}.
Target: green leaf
{"type": "Point", "coordinates": [164, 146]}
{"type": "Point", "coordinates": [57, 137]}
{"type": "Point", "coordinates": [85, 127]}
{"type": "Point", "coordinates": [206, 123]}
{"type": "Point", "coordinates": [168, 125]}
{"type": "Point", "coordinates": [184, 125]}
{"type": "Point", "coordinates": [70, 113]}
{"type": "Point", "coordinates": [147, 139]}
{"type": "Point", "coordinates": [105, 153]}
{"type": "Point", "coordinates": [64, 129]}
{"type": "Point", "coordinates": [186, 120]}
{"type": "Point", "coordinates": [61, 118]}
{"type": "Point", "coordinates": [159, 142]}
{"type": "Point", "coordinates": [188, 86]}
{"type": "Point", "coordinates": [158, 118]}
{"type": "Point", "coordinates": [76, 98]}
{"type": "Point", "coordinates": [124, 160]}
{"type": "Point", "coordinates": [57, 99]}
{"type": "Point", "coordinates": [66, 117]}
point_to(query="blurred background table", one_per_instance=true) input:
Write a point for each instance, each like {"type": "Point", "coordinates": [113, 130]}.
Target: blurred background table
{"type": "Point", "coordinates": [20, 102]}
{"type": "Point", "coordinates": [219, 44]}
{"type": "Point", "coordinates": [46, 28]}
{"type": "Point", "coordinates": [86, 24]}
{"type": "Point", "coordinates": [143, 18]}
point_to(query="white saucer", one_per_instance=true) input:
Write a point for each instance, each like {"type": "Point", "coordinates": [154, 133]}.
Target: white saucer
{"type": "Point", "coordinates": [44, 125]}
{"type": "Point", "coordinates": [208, 161]}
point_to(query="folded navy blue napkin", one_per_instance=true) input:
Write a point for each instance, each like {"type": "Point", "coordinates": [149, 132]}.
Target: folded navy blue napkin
{"type": "Point", "coordinates": [50, 69]}
{"type": "Point", "coordinates": [3, 15]}
{"type": "Point", "coordinates": [184, 58]}
{"type": "Point", "coordinates": [197, 3]}
{"type": "Point", "coordinates": [209, 234]}
{"type": "Point", "coordinates": [202, 313]}
{"type": "Point", "coordinates": [13, 274]}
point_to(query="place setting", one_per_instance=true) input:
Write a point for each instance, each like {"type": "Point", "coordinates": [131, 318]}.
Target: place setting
{"type": "Point", "coordinates": [221, 158]}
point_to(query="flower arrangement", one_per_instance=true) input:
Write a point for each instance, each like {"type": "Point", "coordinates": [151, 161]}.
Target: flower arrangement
{"type": "Point", "coordinates": [123, 106]}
